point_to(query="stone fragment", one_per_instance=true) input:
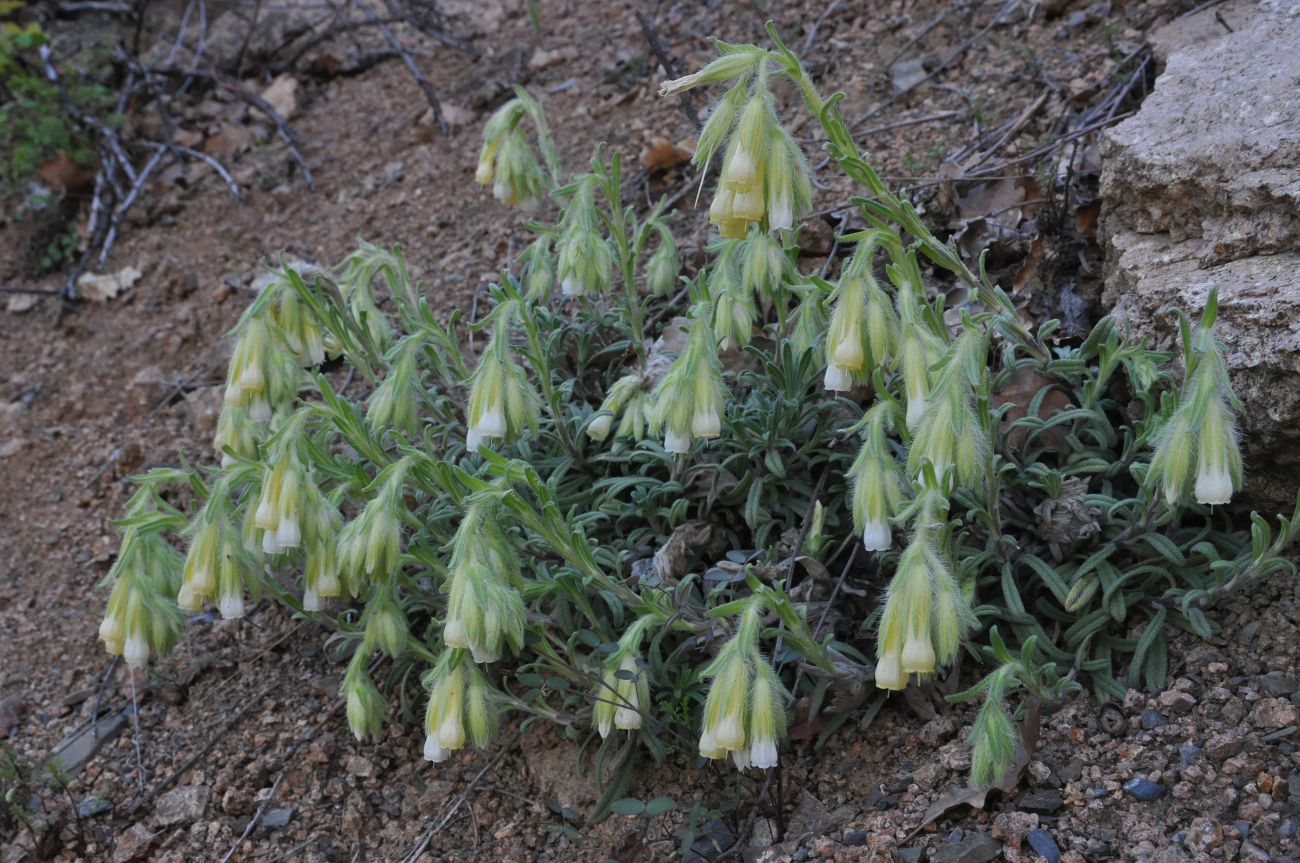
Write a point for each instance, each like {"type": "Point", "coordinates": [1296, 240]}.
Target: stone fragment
{"type": "Point", "coordinates": [181, 805]}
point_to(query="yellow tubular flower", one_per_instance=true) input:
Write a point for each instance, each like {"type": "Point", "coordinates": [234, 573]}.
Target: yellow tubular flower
{"type": "Point", "coordinates": [845, 356]}
{"type": "Point", "coordinates": [1218, 459]}
{"type": "Point", "coordinates": [725, 707]}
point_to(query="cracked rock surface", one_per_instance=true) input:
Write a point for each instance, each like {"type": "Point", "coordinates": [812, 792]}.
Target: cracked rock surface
{"type": "Point", "coordinates": [1201, 189]}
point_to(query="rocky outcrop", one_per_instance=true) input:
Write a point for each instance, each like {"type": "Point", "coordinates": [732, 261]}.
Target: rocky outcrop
{"type": "Point", "coordinates": [1201, 189]}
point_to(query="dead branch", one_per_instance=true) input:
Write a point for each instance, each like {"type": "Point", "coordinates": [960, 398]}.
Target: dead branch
{"type": "Point", "coordinates": [687, 102]}
{"type": "Point", "coordinates": [202, 751]}
{"type": "Point", "coordinates": [423, 82]}
{"type": "Point", "coordinates": [256, 819]}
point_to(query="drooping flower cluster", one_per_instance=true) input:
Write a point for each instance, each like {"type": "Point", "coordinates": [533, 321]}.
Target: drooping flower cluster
{"type": "Point", "coordinates": [506, 162]}
{"type": "Point", "coordinates": [369, 546]}
{"type": "Point", "coordinates": [689, 400]}
{"type": "Point", "coordinates": [923, 619]}
{"type": "Point", "coordinates": [744, 713]}
{"type": "Point", "coordinates": [585, 260]}
{"type": "Point", "coordinates": [217, 564]}
{"type": "Point", "coordinates": [502, 401]}
{"type": "Point", "coordinates": [765, 177]}
{"type": "Point", "coordinates": [628, 401]}
{"type": "Point", "coordinates": [863, 330]}
{"type": "Point", "coordinates": [393, 402]}
{"type": "Point", "coordinates": [485, 611]}
{"type": "Point", "coordinates": [877, 489]}
{"type": "Point", "coordinates": [624, 690]}
{"type": "Point", "coordinates": [460, 707]}
{"type": "Point", "coordinates": [141, 616]}
{"type": "Point", "coordinates": [1198, 445]}
{"type": "Point", "coordinates": [950, 435]}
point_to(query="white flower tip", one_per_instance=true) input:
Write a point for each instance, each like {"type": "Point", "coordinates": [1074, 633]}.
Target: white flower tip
{"type": "Point", "coordinates": [677, 443]}
{"type": "Point", "coordinates": [186, 598]}
{"type": "Point", "coordinates": [136, 650]}
{"type": "Point", "coordinates": [492, 423]}
{"type": "Point", "coordinates": [627, 719]}
{"type": "Point", "coordinates": [915, 410]}
{"type": "Point", "coordinates": [600, 427]}
{"type": "Point", "coordinates": [433, 751]}
{"type": "Point", "coordinates": [231, 605]}
{"type": "Point", "coordinates": [889, 673]}
{"type": "Point", "coordinates": [311, 600]}
{"type": "Point", "coordinates": [453, 634]}
{"type": "Point", "coordinates": [741, 759]}
{"type": "Point", "coordinates": [763, 754]}
{"type": "Point", "coordinates": [730, 733]}
{"type": "Point", "coordinates": [570, 286]}
{"type": "Point", "coordinates": [706, 424]}
{"type": "Point", "coordinates": [288, 534]}
{"type": "Point", "coordinates": [1213, 488]}
{"type": "Point", "coordinates": [780, 216]}
{"type": "Point", "coordinates": [918, 655]}
{"type": "Point", "coordinates": [110, 629]}
{"type": "Point", "coordinates": [876, 536]}
{"type": "Point", "coordinates": [679, 85]}
{"type": "Point", "coordinates": [838, 379]}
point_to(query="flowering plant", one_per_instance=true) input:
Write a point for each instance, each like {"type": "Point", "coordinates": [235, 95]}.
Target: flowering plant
{"type": "Point", "coordinates": [628, 523]}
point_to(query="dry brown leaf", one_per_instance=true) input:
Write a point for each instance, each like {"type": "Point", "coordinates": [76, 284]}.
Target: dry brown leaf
{"type": "Point", "coordinates": [1027, 280]}
{"type": "Point", "coordinates": [102, 288]}
{"type": "Point", "coordinates": [1085, 219]}
{"type": "Point", "coordinates": [662, 155]}
{"type": "Point", "coordinates": [1018, 393]}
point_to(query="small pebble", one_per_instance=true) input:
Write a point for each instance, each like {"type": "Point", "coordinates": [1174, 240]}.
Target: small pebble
{"type": "Point", "coordinates": [1141, 788]}
{"type": "Point", "coordinates": [1152, 718]}
{"type": "Point", "coordinates": [92, 806]}
{"type": "Point", "coordinates": [1043, 801]}
{"type": "Point", "coordinates": [855, 837]}
{"type": "Point", "coordinates": [1044, 845]}
{"type": "Point", "coordinates": [277, 819]}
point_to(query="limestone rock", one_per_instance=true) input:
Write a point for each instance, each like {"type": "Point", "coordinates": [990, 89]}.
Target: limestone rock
{"type": "Point", "coordinates": [1201, 189]}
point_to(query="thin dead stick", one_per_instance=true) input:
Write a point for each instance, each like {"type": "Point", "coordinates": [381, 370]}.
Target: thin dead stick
{"type": "Point", "coordinates": [425, 86]}
{"type": "Point", "coordinates": [925, 31]}
{"type": "Point", "coordinates": [202, 751]}
{"type": "Point", "coordinates": [436, 28]}
{"type": "Point", "coordinates": [812, 31]}
{"type": "Point", "coordinates": [135, 730]}
{"type": "Point", "coordinates": [942, 67]}
{"type": "Point", "coordinates": [42, 291]}
{"type": "Point", "coordinates": [289, 852]}
{"type": "Point", "coordinates": [1010, 134]}
{"type": "Point", "coordinates": [282, 127]}
{"type": "Point", "coordinates": [914, 121]}
{"type": "Point", "coordinates": [451, 810]}
{"type": "Point", "coordinates": [687, 102]}
{"type": "Point", "coordinates": [257, 817]}
{"type": "Point", "coordinates": [99, 696]}
{"type": "Point", "coordinates": [206, 159]}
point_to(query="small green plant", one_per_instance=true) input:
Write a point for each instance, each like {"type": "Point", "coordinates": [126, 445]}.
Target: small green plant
{"type": "Point", "coordinates": [29, 799]}
{"type": "Point", "coordinates": [37, 116]}
{"type": "Point", "coordinates": [618, 519]}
